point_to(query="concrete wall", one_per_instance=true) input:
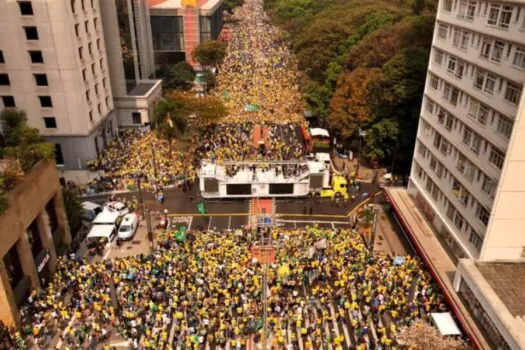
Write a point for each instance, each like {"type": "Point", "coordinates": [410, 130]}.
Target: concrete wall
{"type": "Point", "coordinates": [27, 202]}
{"type": "Point", "coordinates": [491, 303]}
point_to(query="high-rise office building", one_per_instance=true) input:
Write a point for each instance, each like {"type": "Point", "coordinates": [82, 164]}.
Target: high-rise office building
{"type": "Point", "coordinates": [468, 160]}
{"type": "Point", "coordinates": [53, 65]}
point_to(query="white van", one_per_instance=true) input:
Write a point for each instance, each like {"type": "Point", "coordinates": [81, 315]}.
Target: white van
{"type": "Point", "coordinates": [128, 226]}
{"type": "Point", "coordinates": [117, 207]}
{"type": "Point", "coordinates": [103, 234]}
{"type": "Point", "coordinates": [91, 210]}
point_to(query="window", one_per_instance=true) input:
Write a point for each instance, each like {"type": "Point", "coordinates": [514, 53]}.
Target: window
{"type": "Point", "coordinates": [482, 214]}
{"type": "Point", "coordinates": [26, 8]}
{"type": "Point", "coordinates": [513, 93]}
{"type": "Point", "coordinates": [8, 101]}
{"type": "Point", "coordinates": [90, 48]}
{"type": "Point", "coordinates": [88, 95]}
{"type": "Point", "coordinates": [36, 56]}
{"type": "Point", "coordinates": [462, 8]}
{"type": "Point", "coordinates": [98, 44]}
{"type": "Point", "coordinates": [485, 81]}
{"type": "Point", "coordinates": [504, 126]}
{"type": "Point", "coordinates": [31, 33]}
{"type": "Point", "coordinates": [497, 52]}
{"type": "Point", "coordinates": [81, 53]}
{"type": "Point", "coordinates": [33, 236]}
{"type": "Point", "coordinates": [506, 14]}
{"type": "Point", "coordinates": [473, 108]}
{"type": "Point", "coordinates": [489, 186]}
{"type": "Point", "coordinates": [438, 56]}
{"type": "Point", "coordinates": [485, 48]}
{"type": "Point", "coordinates": [13, 267]}
{"type": "Point", "coordinates": [4, 79]}
{"type": "Point", "coordinates": [451, 211]}
{"type": "Point", "coordinates": [84, 75]}
{"type": "Point", "coordinates": [434, 81]}
{"type": "Point", "coordinates": [45, 101]}
{"type": "Point", "coordinates": [476, 143]}
{"type": "Point", "coordinates": [107, 102]}
{"type": "Point", "coordinates": [2, 60]}
{"type": "Point", "coordinates": [83, 4]}
{"type": "Point", "coordinates": [101, 63]}
{"type": "Point", "coordinates": [451, 65]}
{"type": "Point", "coordinates": [490, 82]}
{"type": "Point", "coordinates": [483, 114]}
{"type": "Point", "coordinates": [496, 157]}
{"type": "Point", "coordinates": [421, 149]}
{"type": "Point", "coordinates": [457, 37]}
{"type": "Point", "coordinates": [104, 82]}
{"type": "Point", "coordinates": [50, 122]}
{"type": "Point", "coordinates": [96, 89]}
{"type": "Point", "coordinates": [93, 70]}
{"type": "Point", "coordinates": [465, 37]}
{"type": "Point", "coordinates": [91, 116]}
{"type": "Point", "coordinates": [475, 239]}
{"type": "Point", "coordinates": [493, 14]}
{"type": "Point", "coordinates": [451, 94]}
{"type": "Point", "coordinates": [449, 122]}
{"type": "Point", "coordinates": [137, 118]}
{"type": "Point", "coordinates": [59, 158]}
{"type": "Point", "coordinates": [95, 23]}
{"type": "Point", "coordinates": [77, 30]}
{"type": "Point", "coordinates": [471, 9]}
{"type": "Point", "coordinates": [40, 79]}
{"type": "Point", "coordinates": [73, 6]}
{"type": "Point", "coordinates": [442, 31]}
{"type": "Point", "coordinates": [447, 5]}
{"type": "Point", "coordinates": [99, 108]}
{"type": "Point", "coordinates": [461, 166]}
{"type": "Point", "coordinates": [86, 27]}
{"type": "Point", "coordinates": [459, 221]}
{"type": "Point", "coordinates": [519, 58]}
{"type": "Point", "coordinates": [429, 105]}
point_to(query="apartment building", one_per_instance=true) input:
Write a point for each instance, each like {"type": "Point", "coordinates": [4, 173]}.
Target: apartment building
{"type": "Point", "coordinates": [469, 128]}
{"type": "Point", "coordinates": [53, 65]}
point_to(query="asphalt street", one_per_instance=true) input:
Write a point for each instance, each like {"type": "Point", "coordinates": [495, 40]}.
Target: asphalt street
{"type": "Point", "coordinates": [234, 213]}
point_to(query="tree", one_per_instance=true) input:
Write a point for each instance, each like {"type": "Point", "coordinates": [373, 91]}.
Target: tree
{"type": "Point", "coordinates": [177, 76]}
{"type": "Point", "coordinates": [74, 209]}
{"type": "Point", "coordinates": [418, 6]}
{"type": "Point", "coordinates": [170, 120]}
{"type": "Point", "coordinates": [381, 139]}
{"type": "Point", "coordinates": [10, 119]}
{"type": "Point", "coordinates": [229, 5]}
{"type": "Point", "coordinates": [209, 53]}
{"type": "Point", "coordinates": [421, 336]}
{"type": "Point", "coordinates": [354, 101]}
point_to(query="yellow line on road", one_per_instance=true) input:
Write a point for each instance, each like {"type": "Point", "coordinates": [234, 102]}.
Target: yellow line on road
{"type": "Point", "coordinates": [248, 214]}
{"type": "Point", "coordinates": [363, 203]}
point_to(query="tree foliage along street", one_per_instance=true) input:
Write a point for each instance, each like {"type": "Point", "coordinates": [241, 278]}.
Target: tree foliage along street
{"type": "Point", "coordinates": [177, 76]}
{"type": "Point", "coordinates": [178, 111]}
{"type": "Point", "coordinates": [74, 209]}
{"type": "Point", "coordinates": [365, 66]}
{"type": "Point", "coordinates": [209, 53]}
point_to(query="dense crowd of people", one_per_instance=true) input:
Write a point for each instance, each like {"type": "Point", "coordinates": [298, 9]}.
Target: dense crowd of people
{"type": "Point", "coordinates": [138, 154]}
{"type": "Point", "coordinates": [259, 76]}
{"type": "Point", "coordinates": [206, 288]}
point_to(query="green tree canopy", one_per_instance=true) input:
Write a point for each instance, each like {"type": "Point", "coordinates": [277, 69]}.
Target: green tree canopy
{"type": "Point", "coordinates": [74, 209]}
{"type": "Point", "coordinates": [177, 76]}
{"type": "Point", "coordinates": [209, 53]}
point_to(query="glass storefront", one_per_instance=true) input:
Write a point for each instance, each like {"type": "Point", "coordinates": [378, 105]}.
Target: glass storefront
{"type": "Point", "coordinates": [13, 267]}
{"type": "Point", "coordinates": [483, 321]}
{"type": "Point", "coordinates": [34, 238]}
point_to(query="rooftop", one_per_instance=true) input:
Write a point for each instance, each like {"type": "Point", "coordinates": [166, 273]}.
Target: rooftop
{"type": "Point", "coordinates": [141, 89]}
{"type": "Point", "coordinates": [177, 4]}
{"type": "Point", "coordinates": [507, 280]}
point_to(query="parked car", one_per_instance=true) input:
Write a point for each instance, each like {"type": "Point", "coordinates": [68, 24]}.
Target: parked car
{"type": "Point", "coordinates": [116, 207]}
{"type": "Point", "coordinates": [91, 210]}
{"type": "Point", "coordinates": [128, 226]}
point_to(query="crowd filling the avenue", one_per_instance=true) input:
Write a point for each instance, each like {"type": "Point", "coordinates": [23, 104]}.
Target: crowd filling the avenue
{"type": "Point", "coordinates": [204, 287]}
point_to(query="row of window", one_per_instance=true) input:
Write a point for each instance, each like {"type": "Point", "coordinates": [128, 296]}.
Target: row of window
{"type": "Point", "coordinates": [87, 27]}
{"type": "Point", "coordinates": [35, 56]}
{"type": "Point", "coordinates": [477, 111]}
{"type": "Point", "coordinates": [74, 5]}
{"type": "Point", "coordinates": [90, 49]}
{"type": "Point", "coordinates": [498, 15]}
{"type": "Point", "coordinates": [452, 213]}
{"type": "Point", "coordinates": [462, 164]}
{"type": "Point", "coordinates": [491, 49]}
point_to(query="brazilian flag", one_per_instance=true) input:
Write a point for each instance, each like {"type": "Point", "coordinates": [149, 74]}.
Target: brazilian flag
{"type": "Point", "coordinates": [180, 234]}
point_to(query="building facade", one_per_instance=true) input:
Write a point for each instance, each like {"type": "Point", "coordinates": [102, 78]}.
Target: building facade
{"type": "Point", "coordinates": [53, 65]}
{"type": "Point", "coordinates": [34, 228]}
{"type": "Point", "coordinates": [466, 167]}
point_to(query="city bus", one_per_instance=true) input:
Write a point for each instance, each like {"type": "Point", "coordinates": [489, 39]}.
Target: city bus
{"type": "Point", "coordinates": [249, 179]}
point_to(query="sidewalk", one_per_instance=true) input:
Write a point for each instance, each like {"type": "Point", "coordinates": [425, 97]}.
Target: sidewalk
{"type": "Point", "coordinates": [435, 257]}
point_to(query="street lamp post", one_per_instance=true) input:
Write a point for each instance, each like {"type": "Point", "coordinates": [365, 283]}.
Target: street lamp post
{"type": "Point", "coordinates": [141, 198]}
{"type": "Point", "coordinates": [362, 134]}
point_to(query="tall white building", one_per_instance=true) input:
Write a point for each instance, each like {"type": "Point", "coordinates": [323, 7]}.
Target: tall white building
{"type": "Point", "coordinates": [55, 65]}
{"type": "Point", "coordinates": [468, 161]}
